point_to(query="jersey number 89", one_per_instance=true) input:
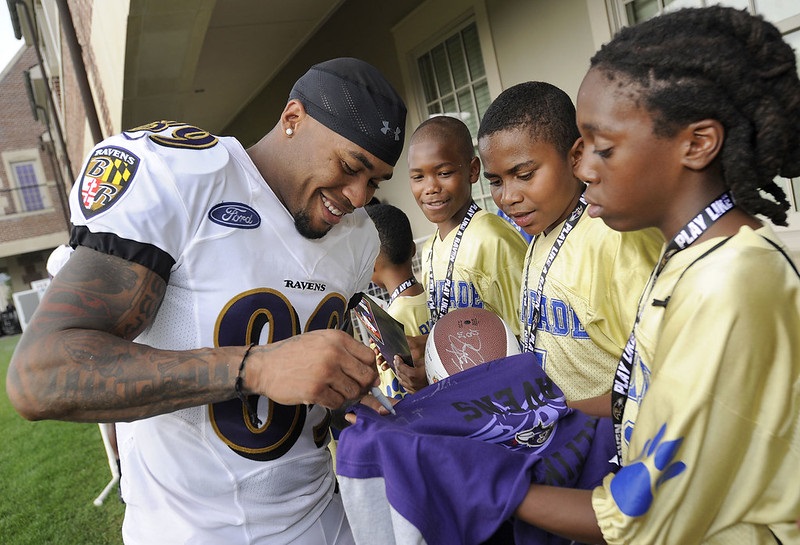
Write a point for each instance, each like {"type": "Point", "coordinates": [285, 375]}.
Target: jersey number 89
{"type": "Point", "coordinates": [241, 322]}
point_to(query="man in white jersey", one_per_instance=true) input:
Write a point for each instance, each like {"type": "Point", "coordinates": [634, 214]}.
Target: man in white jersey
{"type": "Point", "coordinates": [201, 306]}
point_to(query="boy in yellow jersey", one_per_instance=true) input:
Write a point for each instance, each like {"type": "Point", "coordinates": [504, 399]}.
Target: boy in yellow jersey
{"type": "Point", "coordinates": [686, 120]}
{"type": "Point", "coordinates": [393, 272]}
{"type": "Point", "coordinates": [474, 257]}
{"type": "Point", "coordinates": [581, 280]}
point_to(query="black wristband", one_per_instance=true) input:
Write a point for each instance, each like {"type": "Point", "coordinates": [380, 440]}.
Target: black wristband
{"type": "Point", "coordinates": [250, 406]}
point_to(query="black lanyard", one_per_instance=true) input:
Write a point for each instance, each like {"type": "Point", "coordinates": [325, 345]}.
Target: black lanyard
{"type": "Point", "coordinates": [529, 334]}
{"type": "Point", "coordinates": [401, 288]}
{"type": "Point", "coordinates": [686, 236]}
{"type": "Point", "coordinates": [444, 303]}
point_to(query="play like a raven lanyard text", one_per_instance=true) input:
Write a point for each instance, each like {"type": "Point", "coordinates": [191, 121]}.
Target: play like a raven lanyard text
{"type": "Point", "coordinates": [529, 337]}
{"type": "Point", "coordinates": [401, 288]}
{"type": "Point", "coordinates": [444, 303]}
{"type": "Point", "coordinates": [687, 235]}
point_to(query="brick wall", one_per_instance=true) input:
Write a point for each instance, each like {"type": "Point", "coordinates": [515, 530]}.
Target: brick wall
{"type": "Point", "coordinates": [76, 129]}
{"type": "Point", "coordinates": [19, 131]}
{"type": "Point", "coordinates": [82, 17]}
{"type": "Point", "coordinates": [74, 113]}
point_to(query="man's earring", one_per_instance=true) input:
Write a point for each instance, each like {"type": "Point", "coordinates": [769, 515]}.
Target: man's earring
{"type": "Point", "coordinates": [289, 132]}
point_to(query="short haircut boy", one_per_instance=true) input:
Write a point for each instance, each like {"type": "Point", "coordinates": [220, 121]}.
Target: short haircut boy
{"type": "Point", "coordinates": [580, 280]}
{"type": "Point", "coordinates": [394, 231]}
{"type": "Point", "coordinates": [394, 273]}
{"type": "Point", "coordinates": [552, 120]}
{"type": "Point", "coordinates": [446, 127]}
{"type": "Point", "coordinates": [484, 269]}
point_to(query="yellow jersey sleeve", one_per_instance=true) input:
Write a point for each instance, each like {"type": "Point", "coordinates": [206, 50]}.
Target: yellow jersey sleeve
{"type": "Point", "coordinates": [711, 428]}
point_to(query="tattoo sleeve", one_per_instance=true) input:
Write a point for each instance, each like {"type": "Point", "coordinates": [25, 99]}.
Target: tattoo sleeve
{"type": "Point", "coordinates": [76, 360]}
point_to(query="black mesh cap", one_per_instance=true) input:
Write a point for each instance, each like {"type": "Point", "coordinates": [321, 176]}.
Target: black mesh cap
{"type": "Point", "coordinates": [353, 99]}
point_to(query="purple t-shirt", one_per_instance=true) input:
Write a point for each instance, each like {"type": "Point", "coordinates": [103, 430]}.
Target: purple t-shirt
{"type": "Point", "coordinates": [459, 456]}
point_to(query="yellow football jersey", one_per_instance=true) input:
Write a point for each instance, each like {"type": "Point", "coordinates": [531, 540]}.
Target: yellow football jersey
{"type": "Point", "coordinates": [486, 269]}
{"type": "Point", "coordinates": [711, 428]}
{"type": "Point", "coordinates": [589, 304]}
{"type": "Point", "coordinates": [412, 312]}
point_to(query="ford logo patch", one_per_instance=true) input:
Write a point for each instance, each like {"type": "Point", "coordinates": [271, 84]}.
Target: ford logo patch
{"type": "Point", "coordinates": [235, 214]}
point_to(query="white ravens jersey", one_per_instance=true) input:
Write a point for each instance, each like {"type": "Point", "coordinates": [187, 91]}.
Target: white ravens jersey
{"type": "Point", "coordinates": [194, 208]}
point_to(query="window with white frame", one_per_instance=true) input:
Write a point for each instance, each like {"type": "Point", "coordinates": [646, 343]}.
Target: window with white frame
{"type": "Point", "coordinates": [784, 14]}
{"type": "Point", "coordinates": [776, 11]}
{"type": "Point", "coordinates": [454, 82]}
{"type": "Point", "coordinates": [27, 187]}
{"type": "Point", "coordinates": [30, 196]}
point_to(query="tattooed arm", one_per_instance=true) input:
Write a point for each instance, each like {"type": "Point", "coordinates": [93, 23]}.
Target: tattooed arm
{"type": "Point", "coordinates": [75, 360]}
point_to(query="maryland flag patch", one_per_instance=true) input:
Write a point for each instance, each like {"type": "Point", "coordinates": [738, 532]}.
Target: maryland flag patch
{"type": "Point", "coordinates": [108, 174]}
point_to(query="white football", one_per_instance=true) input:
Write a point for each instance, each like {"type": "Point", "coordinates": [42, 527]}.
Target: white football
{"type": "Point", "coordinates": [464, 338]}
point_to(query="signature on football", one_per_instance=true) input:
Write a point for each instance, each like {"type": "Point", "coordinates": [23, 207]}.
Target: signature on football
{"type": "Point", "coordinates": [465, 348]}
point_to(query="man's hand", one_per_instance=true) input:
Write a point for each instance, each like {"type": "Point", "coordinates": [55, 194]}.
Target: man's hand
{"type": "Point", "coordinates": [326, 367]}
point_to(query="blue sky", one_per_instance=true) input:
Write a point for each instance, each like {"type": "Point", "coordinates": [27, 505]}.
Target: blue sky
{"type": "Point", "coordinates": [9, 45]}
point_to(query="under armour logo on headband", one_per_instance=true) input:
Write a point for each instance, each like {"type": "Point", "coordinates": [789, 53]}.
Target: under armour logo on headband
{"type": "Point", "coordinates": [386, 130]}
{"type": "Point", "coordinates": [353, 99]}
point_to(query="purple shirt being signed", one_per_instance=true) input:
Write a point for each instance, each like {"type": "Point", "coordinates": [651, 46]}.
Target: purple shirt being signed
{"type": "Point", "coordinates": [459, 456]}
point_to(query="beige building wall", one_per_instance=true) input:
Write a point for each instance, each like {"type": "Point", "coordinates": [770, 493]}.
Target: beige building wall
{"type": "Point", "coordinates": [109, 24]}
{"type": "Point", "coordinates": [542, 40]}
{"type": "Point", "coordinates": [521, 40]}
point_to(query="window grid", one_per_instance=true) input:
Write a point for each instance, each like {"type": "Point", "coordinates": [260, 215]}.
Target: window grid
{"type": "Point", "coordinates": [28, 184]}
{"type": "Point", "coordinates": [637, 11]}
{"type": "Point", "coordinates": [454, 83]}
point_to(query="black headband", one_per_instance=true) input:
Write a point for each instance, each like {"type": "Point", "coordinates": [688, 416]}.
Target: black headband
{"type": "Point", "coordinates": [353, 99]}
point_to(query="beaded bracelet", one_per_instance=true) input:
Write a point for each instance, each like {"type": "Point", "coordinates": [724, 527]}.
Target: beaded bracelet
{"type": "Point", "coordinates": [249, 406]}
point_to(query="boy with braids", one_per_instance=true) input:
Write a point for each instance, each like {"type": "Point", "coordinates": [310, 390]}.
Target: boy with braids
{"type": "Point", "coordinates": [581, 280]}
{"type": "Point", "coordinates": [394, 272]}
{"type": "Point", "coordinates": [686, 120]}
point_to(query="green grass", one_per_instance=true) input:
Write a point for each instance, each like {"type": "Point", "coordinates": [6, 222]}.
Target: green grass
{"type": "Point", "coordinates": [50, 472]}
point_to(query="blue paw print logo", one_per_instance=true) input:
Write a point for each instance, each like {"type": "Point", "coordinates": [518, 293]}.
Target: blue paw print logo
{"type": "Point", "coordinates": [395, 388]}
{"type": "Point", "coordinates": [633, 488]}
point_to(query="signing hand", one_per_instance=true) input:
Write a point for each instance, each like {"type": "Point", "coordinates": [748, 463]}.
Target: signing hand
{"type": "Point", "coordinates": [326, 367]}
